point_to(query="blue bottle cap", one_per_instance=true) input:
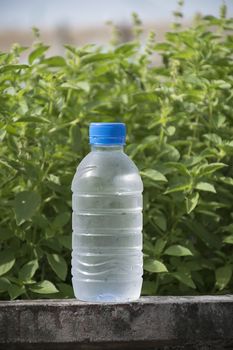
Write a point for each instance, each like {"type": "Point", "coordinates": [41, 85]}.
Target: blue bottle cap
{"type": "Point", "coordinates": [107, 133]}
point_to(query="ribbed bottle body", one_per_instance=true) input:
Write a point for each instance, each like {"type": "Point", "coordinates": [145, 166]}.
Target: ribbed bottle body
{"type": "Point", "coordinates": [107, 228]}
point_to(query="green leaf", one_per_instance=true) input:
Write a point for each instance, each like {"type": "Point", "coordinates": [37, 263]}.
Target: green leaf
{"type": "Point", "coordinates": [44, 287]}
{"type": "Point", "coordinates": [79, 85]}
{"type": "Point", "coordinates": [179, 166]}
{"type": "Point", "coordinates": [159, 246]}
{"type": "Point", "coordinates": [127, 48]}
{"type": "Point", "coordinates": [144, 97]}
{"type": "Point", "coordinates": [185, 55]}
{"type": "Point", "coordinates": [178, 188]}
{"type": "Point", "coordinates": [96, 57]}
{"type": "Point", "coordinates": [11, 130]}
{"type": "Point", "coordinates": [38, 52]}
{"type": "Point", "coordinates": [6, 164]}
{"type": "Point", "coordinates": [171, 153]}
{"type": "Point", "coordinates": [58, 265]}
{"type": "Point", "coordinates": [12, 67]}
{"type": "Point", "coordinates": [210, 168]}
{"type": "Point", "coordinates": [228, 239]}
{"type": "Point", "coordinates": [32, 119]}
{"type": "Point", "coordinates": [83, 85]}
{"type": "Point", "coordinates": [28, 270]}
{"type": "Point", "coordinates": [185, 278]}
{"type": "Point", "coordinates": [223, 276]}
{"type": "Point", "coordinates": [177, 250]}
{"type": "Point", "coordinates": [205, 186]}
{"type": "Point", "coordinates": [25, 205]}
{"type": "Point", "coordinates": [54, 61]}
{"type": "Point", "coordinates": [15, 291]}
{"type": "Point", "coordinates": [148, 247]}
{"type": "Point", "coordinates": [61, 220]}
{"type": "Point", "coordinates": [191, 202]}
{"type": "Point", "coordinates": [66, 241]}
{"type": "Point", "coordinates": [161, 221]}
{"type": "Point", "coordinates": [221, 84]}
{"type": "Point", "coordinates": [228, 228]}
{"type": "Point", "coordinates": [7, 261]}
{"type": "Point", "coordinates": [226, 180]}
{"type": "Point", "coordinates": [154, 266]}
{"type": "Point", "coordinates": [163, 47]}
{"type": "Point", "coordinates": [4, 284]}
{"type": "Point", "coordinates": [171, 130]}
{"type": "Point", "coordinates": [66, 290]}
{"type": "Point", "coordinates": [211, 240]}
{"type": "Point", "coordinates": [214, 138]}
{"type": "Point", "coordinates": [154, 175]}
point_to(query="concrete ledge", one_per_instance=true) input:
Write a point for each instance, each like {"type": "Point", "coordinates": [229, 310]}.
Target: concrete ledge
{"type": "Point", "coordinates": [197, 323]}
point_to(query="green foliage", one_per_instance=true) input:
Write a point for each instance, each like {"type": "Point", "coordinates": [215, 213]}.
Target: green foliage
{"type": "Point", "coordinates": [179, 116]}
{"type": "Point", "coordinates": [154, 266]}
{"type": "Point", "coordinates": [28, 270]}
{"type": "Point", "coordinates": [58, 265]}
{"type": "Point", "coordinates": [44, 287]}
{"type": "Point", "coordinates": [177, 250]}
{"type": "Point", "coordinates": [25, 205]}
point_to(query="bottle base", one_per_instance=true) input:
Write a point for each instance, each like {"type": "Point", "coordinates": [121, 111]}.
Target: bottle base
{"type": "Point", "coordinates": [110, 292]}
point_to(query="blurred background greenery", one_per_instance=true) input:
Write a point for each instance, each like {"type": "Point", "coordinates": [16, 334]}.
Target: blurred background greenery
{"type": "Point", "coordinates": [80, 22]}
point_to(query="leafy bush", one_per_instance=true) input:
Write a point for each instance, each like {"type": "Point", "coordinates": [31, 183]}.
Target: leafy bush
{"type": "Point", "coordinates": [179, 116]}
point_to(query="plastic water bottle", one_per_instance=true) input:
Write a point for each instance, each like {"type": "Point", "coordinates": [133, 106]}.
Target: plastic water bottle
{"type": "Point", "coordinates": [107, 220]}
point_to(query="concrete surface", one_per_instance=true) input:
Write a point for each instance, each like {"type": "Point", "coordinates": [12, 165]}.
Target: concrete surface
{"type": "Point", "coordinates": [152, 323]}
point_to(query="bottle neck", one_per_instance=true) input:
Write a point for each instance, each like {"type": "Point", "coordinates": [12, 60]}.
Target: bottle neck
{"type": "Point", "coordinates": [107, 148]}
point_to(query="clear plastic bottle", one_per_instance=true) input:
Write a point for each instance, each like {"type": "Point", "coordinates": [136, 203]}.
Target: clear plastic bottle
{"type": "Point", "coordinates": [107, 220]}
